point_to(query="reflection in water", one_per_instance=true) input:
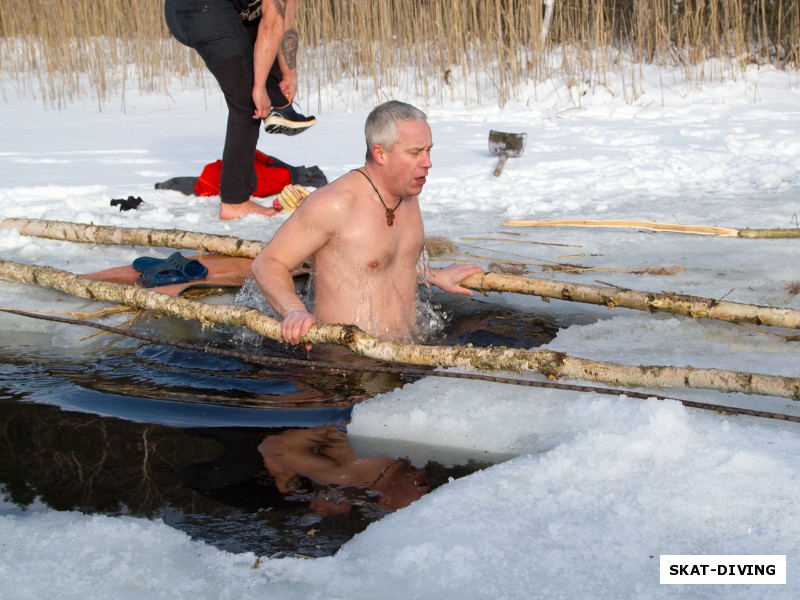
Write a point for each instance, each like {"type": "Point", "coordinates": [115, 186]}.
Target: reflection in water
{"type": "Point", "coordinates": [302, 459]}
{"type": "Point", "coordinates": [243, 456]}
{"type": "Point", "coordinates": [211, 483]}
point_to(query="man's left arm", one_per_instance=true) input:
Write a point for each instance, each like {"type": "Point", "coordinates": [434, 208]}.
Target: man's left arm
{"type": "Point", "coordinates": [287, 52]}
{"type": "Point", "coordinates": [449, 278]}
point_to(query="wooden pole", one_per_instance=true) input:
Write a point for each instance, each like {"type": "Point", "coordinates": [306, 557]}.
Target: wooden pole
{"type": "Point", "coordinates": [680, 304]}
{"type": "Point", "coordinates": [655, 226]}
{"type": "Point", "coordinates": [552, 364]}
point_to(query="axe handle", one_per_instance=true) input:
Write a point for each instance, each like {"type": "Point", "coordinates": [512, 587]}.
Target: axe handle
{"type": "Point", "coordinates": [500, 164]}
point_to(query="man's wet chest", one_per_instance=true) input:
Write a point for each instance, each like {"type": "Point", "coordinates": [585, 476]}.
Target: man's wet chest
{"type": "Point", "coordinates": [377, 249]}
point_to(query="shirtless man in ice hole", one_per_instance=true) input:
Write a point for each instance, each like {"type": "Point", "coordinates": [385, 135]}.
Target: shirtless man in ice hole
{"type": "Point", "coordinates": [365, 235]}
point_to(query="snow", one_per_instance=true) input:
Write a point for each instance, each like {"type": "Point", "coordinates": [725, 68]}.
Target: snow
{"type": "Point", "coordinates": [595, 488]}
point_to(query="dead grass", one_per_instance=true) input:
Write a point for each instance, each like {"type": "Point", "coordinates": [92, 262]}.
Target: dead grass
{"type": "Point", "coordinates": [437, 245]}
{"type": "Point", "coordinates": [436, 48]}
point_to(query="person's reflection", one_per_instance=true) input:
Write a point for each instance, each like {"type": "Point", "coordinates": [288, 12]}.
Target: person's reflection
{"type": "Point", "coordinates": [323, 455]}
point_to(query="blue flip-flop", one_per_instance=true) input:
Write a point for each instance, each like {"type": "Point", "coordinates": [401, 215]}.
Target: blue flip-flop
{"type": "Point", "coordinates": [165, 271]}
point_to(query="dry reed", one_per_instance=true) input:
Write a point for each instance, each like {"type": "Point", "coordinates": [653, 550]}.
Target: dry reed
{"type": "Point", "coordinates": [435, 49]}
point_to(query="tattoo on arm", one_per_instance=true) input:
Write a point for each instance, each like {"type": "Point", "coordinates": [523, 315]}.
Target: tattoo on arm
{"type": "Point", "coordinates": [280, 6]}
{"type": "Point", "coordinates": [289, 45]}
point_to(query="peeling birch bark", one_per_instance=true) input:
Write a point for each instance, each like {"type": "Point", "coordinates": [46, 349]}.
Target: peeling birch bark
{"type": "Point", "coordinates": [133, 236]}
{"type": "Point", "coordinates": [680, 304]}
{"type": "Point", "coordinates": [555, 365]}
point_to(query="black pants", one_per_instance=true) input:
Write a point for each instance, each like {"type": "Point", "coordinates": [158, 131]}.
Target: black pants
{"type": "Point", "coordinates": [214, 29]}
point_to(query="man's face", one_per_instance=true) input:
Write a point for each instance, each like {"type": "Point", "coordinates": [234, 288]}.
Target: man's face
{"type": "Point", "coordinates": [408, 161]}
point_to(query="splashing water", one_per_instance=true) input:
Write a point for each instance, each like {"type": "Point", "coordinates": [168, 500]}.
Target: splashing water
{"type": "Point", "coordinates": [431, 319]}
{"type": "Point", "coordinates": [251, 296]}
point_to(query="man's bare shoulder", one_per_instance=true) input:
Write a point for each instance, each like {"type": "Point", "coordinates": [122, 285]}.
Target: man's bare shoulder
{"type": "Point", "coordinates": [332, 199]}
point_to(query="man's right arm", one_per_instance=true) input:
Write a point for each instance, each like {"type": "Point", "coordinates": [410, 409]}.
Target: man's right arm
{"type": "Point", "coordinates": [278, 285]}
{"type": "Point", "coordinates": [305, 232]}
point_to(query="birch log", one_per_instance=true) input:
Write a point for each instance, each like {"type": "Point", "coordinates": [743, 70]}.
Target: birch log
{"type": "Point", "coordinates": [680, 304]}
{"type": "Point", "coordinates": [546, 362]}
{"type": "Point", "coordinates": [134, 236]}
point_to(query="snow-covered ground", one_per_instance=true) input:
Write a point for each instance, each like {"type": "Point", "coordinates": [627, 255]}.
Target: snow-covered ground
{"type": "Point", "coordinates": [599, 487]}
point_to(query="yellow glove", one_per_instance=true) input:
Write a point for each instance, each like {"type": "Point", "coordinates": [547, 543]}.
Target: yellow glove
{"type": "Point", "coordinates": [290, 198]}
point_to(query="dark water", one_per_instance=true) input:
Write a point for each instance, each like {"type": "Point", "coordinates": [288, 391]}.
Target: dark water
{"type": "Point", "coordinates": [242, 456]}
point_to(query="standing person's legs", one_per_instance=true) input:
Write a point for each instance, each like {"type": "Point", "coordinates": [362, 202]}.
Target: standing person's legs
{"type": "Point", "coordinates": [235, 78]}
{"type": "Point", "coordinates": [215, 31]}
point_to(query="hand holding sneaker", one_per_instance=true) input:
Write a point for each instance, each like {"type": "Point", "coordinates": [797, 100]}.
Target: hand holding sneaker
{"type": "Point", "coordinates": [287, 121]}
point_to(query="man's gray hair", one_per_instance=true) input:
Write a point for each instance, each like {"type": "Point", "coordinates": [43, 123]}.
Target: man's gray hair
{"type": "Point", "coordinates": [381, 125]}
